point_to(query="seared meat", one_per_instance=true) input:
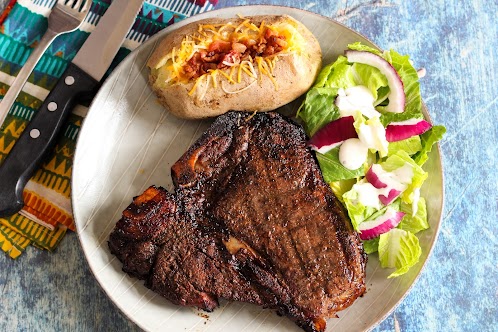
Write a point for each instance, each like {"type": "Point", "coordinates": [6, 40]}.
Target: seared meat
{"type": "Point", "coordinates": [251, 220]}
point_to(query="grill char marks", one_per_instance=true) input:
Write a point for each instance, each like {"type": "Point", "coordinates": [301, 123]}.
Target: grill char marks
{"type": "Point", "coordinates": [185, 265]}
{"type": "Point", "coordinates": [251, 220]}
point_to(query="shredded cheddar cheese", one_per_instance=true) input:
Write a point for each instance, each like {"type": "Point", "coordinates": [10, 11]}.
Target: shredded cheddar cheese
{"type": "Point", "coordinates": [170, 69]}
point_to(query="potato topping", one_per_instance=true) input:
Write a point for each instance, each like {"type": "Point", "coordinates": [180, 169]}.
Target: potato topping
{"type": "Point", "coordinates": [227, 47]}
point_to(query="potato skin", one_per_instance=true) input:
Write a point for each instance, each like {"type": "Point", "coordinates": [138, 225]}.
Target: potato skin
{"type": "Point", "coordinates": [293, 73]}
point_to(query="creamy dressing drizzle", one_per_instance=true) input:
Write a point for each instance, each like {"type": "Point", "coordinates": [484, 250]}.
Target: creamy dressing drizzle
{"type": "Point", "coordinates": [354, 99]}
{"type": "Point", "coordinates": [354, 152]}
{"type": "Point", "coordinates": [399, 179]}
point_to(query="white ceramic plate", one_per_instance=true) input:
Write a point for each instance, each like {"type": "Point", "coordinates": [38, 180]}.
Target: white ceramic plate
{"type": "Point", "coordinates": [128, 142]}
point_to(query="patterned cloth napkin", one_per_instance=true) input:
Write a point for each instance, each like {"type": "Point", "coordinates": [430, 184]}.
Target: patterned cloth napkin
{"type": "Point", "coordinates": [47, 216]}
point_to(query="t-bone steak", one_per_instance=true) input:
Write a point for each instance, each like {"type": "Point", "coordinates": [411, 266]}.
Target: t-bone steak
{"type": "Point", "coordinates": [251, 219]}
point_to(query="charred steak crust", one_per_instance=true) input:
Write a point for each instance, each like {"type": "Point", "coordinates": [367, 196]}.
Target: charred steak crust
{"type": "Point", "coordinates": [252, 220]}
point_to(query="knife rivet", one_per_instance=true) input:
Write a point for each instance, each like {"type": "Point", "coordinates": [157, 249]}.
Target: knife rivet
{"type": "Point", "coordinates": [52, 106]}
{"type": "Point", "coordinates": [69, 80]}
{"type": "Point", "coordinates": [34, 133]}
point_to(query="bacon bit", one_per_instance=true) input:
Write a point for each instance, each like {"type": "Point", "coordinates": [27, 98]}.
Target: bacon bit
{"type": "Point", "coordinates": [280, 41]}
{"type": "Point", "coordinates": [269, 33]}
{"type": "Point", "coordinates": [220, 46]}
{"type": "Point", "coordinates": [232, 58]}
{"type": "Point", "coordinates": [269, 50]}
{"type": "Point", "coordinates": [207, 66]}
{"type": "Point", "coordinates": [211, 56]}
{"type": "Point", "coordinates": [222, 54]}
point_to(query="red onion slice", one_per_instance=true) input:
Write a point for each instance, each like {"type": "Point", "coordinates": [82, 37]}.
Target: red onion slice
{"type": "Point", "coordinates": [373, 178]}
{"type": "Point", "coordinates": [391, 196]}
{"type": "Point", "coordinates": [333, 134]}
{"type": "Point", "coordinates": [383, 224]}
{"type": "Point", "coordinates": [398, 131]}
{"type": "Point", "coordinates": [397, 96]}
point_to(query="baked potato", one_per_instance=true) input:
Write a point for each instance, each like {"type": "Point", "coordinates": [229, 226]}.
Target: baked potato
{"type": "Point", "coordinates": [212, 66]}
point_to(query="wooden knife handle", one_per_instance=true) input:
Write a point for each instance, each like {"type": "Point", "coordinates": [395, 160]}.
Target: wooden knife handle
{"type": "Point", "coordinates": [39, 137]}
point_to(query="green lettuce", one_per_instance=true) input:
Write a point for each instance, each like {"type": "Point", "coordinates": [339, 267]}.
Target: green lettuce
{"type": "Point", "coordinates": [398, 249]}
{"type": "Point", "coordinates": [341, 75]}
{"type": "Point", "coordinates": [358, 46]}
{"type": "Point", "coordinates": [372, 123]}
{"type": "Point", "coordinates": [318, 109]}
{"type": "Point", "coordinates": [399, 159]}
{"type": "Point", "coordinates": [414, 223]}
{"type": "Point", "coordinates": [357, 212]}
{"type": "Point", "coordinates": [333, 170]}
{"type": "Point", "coordinates": [428, 139]}
{"type": "Point", "coordinates": [371, 246]}
{"type": "Point", "coordinates": [410, 145]}
{"type": "Point", "coordinates": [382, 95]}
{"type": "Point", "coordinates": [342, 186]}
{"type": "Point", "coordinates": [370, 77]}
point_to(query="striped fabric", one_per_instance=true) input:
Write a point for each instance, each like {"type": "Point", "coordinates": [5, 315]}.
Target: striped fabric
{"type": "Point", "coordinates": [47, 212]}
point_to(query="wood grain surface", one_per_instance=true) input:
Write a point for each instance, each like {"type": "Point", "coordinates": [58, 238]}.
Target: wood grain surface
{"type": "Point", "coordinates": [457, 43]}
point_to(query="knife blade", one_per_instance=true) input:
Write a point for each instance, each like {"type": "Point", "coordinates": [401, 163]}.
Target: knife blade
{"type": "Point", "coordinates": [81, 77]}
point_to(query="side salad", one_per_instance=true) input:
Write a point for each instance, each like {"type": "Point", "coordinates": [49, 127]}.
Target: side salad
{"type": "Point", "coordinates": [364, 117]}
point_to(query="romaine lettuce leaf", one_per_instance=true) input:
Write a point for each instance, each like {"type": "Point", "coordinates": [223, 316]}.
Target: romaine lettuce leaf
{"type": "Point", "coordinates": [341, 186]}
{"type": "Point", "coordinates": [428, 139]}
{"type": "Point", "coordinates": [339, 74]}
{"type": "Point", "coordinates": [318, 109]}
{"type": "Point", "coordinates": [398, 249]}
{"type": "Point", "coordinates": [333, 170]}
{"type": "Point", "coordinates": [342, 75]}
{"type": "Point", "coordinates": [416, 223]}
{"type": "Point", "coordinates": [371, 246]}
{"type": "Point", "coordinates": [410, 145]}
{"type": "Point", "coordinates": [382, 95]}
{"type": "Point", "coordinates": [370, 77]}
{"type": "Point", "coordinates": [399, 159]}
{"type": "Point", "coordinates": [358, 46]}
{"type": "Point", "coordinates": [356, 210]}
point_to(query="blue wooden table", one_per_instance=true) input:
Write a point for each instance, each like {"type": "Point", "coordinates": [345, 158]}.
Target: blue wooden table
{"type": "Point", "coordinates": [457, 42]}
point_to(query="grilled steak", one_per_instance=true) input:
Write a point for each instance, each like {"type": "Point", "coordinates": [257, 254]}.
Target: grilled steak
{"type": "Point", "coordinates": [251, 219]}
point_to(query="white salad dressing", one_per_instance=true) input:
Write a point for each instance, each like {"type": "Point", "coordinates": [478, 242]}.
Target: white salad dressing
{"type": "Point", "coordinates": [354, 99]}
{"type": "Point", "coordinates": [371, 135]}
{"type": "Point", "coordinates": [353, 153]}
{"type": "Point", "coordinates": [399, 179]}
{"type": "Point", "coordinates": [368, 224]}
{"type": "Point", "coordinates": [368, 195]}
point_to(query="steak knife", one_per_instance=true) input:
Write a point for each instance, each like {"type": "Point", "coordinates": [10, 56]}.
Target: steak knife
{"type": "Point", "coordinates": [81, 77]}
